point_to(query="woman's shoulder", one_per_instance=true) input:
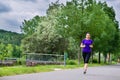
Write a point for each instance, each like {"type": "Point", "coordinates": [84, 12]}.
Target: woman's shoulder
{"type": "Point", "coordinates": [91, 40]}
{"type": "Point", "coordinates": [83, 40]}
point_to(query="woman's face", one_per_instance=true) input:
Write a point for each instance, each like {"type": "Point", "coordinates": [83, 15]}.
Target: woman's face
{"type": "Point", "coordinates": [88, 36]}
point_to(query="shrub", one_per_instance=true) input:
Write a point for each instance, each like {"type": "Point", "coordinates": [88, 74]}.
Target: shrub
{"type": "Point", "coordinates": [71, 62]}
{"type": "Point", "coordinates": [95, 61]}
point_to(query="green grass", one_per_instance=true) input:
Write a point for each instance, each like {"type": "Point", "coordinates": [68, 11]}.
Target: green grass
{"type": "Point", "coordinates": [15, 70]}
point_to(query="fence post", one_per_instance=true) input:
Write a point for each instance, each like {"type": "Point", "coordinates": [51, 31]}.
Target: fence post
{"type": "Point", "coordinates": [65, 57]}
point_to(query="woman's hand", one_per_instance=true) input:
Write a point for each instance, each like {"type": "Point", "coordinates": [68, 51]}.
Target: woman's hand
{"type": "Point", "coordinates": [82, 46]}
{"type": "Point", "coordinates": [91, 46]}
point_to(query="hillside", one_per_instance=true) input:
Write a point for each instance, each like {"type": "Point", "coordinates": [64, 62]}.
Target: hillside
{"type": "Point", "coordinates": [8, 37]}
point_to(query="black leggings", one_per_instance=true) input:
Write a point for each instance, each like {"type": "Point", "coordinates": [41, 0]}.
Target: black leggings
{"type": "Point", "coordinates": [86, 57]}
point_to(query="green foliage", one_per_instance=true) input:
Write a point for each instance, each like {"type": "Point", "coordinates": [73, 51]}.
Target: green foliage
{"type": "Point", "coordinates": [17, 52]}
{"type": "Point", "coordinates": [22, 60]}
{"type": "Point", "coordinates": [65, 26]}
{"type": "Point", "coordinates": [3, 53]}
{"type": "Point", "coordinates": [95, 61]}
{"type": "Point", "coordinates": [9, 51]}
{"type": "Point", "coordinates": [8, 37]}
{"type": "Point", "coordinates": [71, 62]}
{"type": "Point", "coordinates": [43, 45]}
{"type": "Point", "coordinates": [30, 26]}
{"type": "Point", "coordinates": [72, 48]}
{"type": "Point", "coordinates": [10, 44]}
{"type": "Point", "coordinates": [45, 39]}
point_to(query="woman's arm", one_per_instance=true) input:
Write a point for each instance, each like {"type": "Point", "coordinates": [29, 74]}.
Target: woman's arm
{"type": "Point", "coordinates": [82, 46]}
{"type": "Point", "coordinates": [91, 46]}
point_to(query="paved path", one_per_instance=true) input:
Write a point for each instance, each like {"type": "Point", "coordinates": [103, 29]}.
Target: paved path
{"type": "Point", "coordinates": [95, 73]}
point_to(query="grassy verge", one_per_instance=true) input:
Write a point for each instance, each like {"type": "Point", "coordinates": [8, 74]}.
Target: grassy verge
{"type": "Point", "coordinates": [15, 70]}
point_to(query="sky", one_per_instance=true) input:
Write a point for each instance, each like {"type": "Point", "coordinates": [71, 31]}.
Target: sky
{"type": "Point", "coordinates": [14, 12]}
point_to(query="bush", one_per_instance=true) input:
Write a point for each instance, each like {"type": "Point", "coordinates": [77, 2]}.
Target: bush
{"type": "Point", "coordinates": [21, 61]}
{"type": "Point", "coordinates": [95, 61]}
{"type": "Point", "coordinates": [71, 62]}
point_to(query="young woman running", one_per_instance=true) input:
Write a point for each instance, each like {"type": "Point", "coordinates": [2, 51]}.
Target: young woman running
{"type": "Point", "coordinates": [86, 45]}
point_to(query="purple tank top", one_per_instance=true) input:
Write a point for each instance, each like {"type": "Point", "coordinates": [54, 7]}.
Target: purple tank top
{"type": "Point", "coordinates": [87, 44]}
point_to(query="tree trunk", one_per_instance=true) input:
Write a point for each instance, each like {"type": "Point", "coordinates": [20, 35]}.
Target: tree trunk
{"type": "Point", "coordinates": [99, 58]}
{"type": "Point", "coordinates": [105, 58]}
{"type": "Point", "coordinates": [79, 52]}
{"type": "Point", "coordinates": [109, 58]}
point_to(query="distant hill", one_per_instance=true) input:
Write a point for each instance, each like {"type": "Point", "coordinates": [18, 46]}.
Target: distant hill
{"type": "Point", "coordinates": [8, 37]}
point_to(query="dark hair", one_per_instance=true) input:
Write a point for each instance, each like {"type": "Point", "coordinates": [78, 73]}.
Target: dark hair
{"type": "Point", "coordinates": [87, 33]}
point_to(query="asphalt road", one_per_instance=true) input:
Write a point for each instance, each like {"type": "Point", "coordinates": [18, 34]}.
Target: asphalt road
{"type": "Point", "coordinates": [94, 73]}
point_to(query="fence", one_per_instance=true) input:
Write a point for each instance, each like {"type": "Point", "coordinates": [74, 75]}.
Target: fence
{"type": "Point", "coordinates": [39, 58]}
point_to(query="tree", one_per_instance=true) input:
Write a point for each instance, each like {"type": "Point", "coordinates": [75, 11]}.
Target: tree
{"type": "Point", "coordinates": [9, 50]}
{"type": "Point", "coordinates": [2, 51]}
{"type": "Point", "coordinates": [111, 13]}
{"type": "Point", "coordinates": [17, 53]}
{"type": "Point", "coordinates": [45, 39]}
{"type": "Point", "coordinates": [29, 26]}
{"type": "Point", "coordinates": [8, 37]}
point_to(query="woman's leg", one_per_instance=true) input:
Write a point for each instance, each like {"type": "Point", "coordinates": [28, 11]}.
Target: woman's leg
{"type": "Point", "coordinates": [84, 56]}
{"type": "Point", "coordinates": [85, 67]}
{"type": "Point", "coordinates": [85, 64]}
{"type": "Point", "coordinates": [86, 60]}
